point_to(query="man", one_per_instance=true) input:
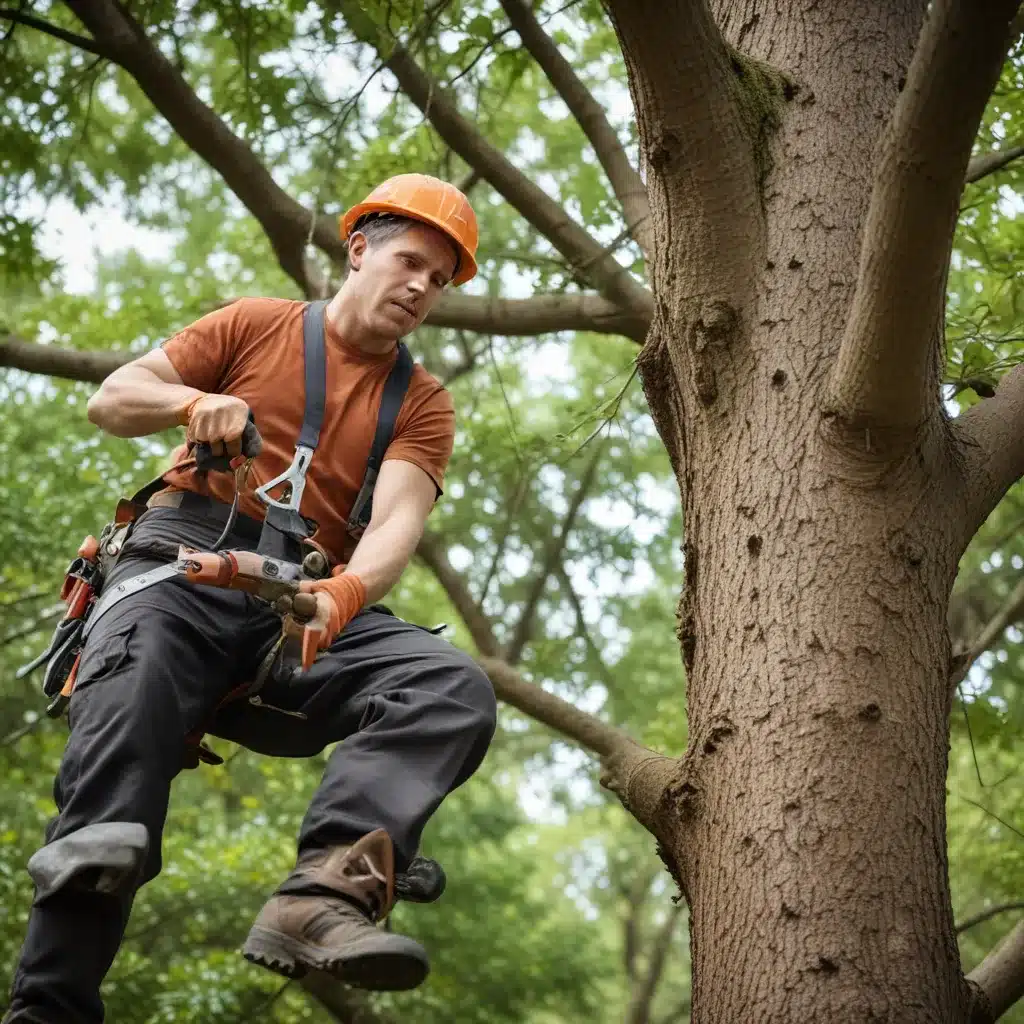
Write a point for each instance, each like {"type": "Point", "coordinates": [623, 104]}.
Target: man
{"type": "Point", "coordinates": [416, 714]}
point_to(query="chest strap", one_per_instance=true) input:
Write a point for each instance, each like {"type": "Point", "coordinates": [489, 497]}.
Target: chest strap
{"type": "Point", "coordinates": [391, 400]}
{"type": "Point", "coordinates": [283, 522]}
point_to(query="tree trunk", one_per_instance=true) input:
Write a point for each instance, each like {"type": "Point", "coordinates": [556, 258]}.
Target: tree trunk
{"type": "Point", "coordinates": [807, 826]}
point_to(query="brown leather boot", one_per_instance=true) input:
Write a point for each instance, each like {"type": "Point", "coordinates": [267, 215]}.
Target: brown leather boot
{"type": "Point", "coordinates": [323, 919]}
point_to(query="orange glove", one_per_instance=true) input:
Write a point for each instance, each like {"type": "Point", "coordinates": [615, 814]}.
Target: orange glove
{"type": "Point", "coordinates": [217, 419]}
{"type": "Point", "coordinates": [339, 601]}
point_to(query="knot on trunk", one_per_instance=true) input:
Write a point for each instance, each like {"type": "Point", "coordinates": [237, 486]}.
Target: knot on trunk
{"type": "Point", "coordinates": [712, 330]}
{"type": "Point", "coordinates": [686, 617]}
{"type": "Point", "coordinates": [721, 728]}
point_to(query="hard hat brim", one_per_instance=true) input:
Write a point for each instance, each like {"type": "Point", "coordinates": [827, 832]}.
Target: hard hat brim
{"type": "Point", "coordinates": [467, 262]}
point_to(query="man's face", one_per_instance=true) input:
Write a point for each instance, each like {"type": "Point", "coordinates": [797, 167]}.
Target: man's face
{"type": "Point", "coordinates": [399, 279]}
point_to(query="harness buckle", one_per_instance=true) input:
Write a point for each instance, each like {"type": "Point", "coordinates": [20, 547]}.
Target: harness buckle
{"type": "Point", "coordinates": [293, 479]}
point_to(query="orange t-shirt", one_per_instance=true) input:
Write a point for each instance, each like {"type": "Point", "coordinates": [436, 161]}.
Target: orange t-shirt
{"type": "Point", "coordinates": [253, 349]}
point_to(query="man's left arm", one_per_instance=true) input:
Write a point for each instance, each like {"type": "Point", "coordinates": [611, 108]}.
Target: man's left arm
{"type": "Point", "coordinates": [409, 483]}
{"type": "Point", "coordinates": [403, 496]}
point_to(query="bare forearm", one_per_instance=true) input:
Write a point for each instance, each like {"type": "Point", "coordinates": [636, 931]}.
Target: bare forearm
{"type": "Point", "coordinates": [383, 553]}
{"type": "Point", "coordinates": [131, 403]}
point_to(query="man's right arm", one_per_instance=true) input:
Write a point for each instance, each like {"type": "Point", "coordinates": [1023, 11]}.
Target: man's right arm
{"type": "Point", "coordinates": [148, 395]}
{"type": "Point", "coordinates": [142, 397]}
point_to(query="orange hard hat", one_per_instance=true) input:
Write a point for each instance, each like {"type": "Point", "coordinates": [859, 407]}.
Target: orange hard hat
{"type": "Point", "coordinates": [430, 200]}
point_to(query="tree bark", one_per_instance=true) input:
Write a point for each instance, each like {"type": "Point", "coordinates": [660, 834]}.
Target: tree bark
{"type": "Point", "coordinates": [807, 824]}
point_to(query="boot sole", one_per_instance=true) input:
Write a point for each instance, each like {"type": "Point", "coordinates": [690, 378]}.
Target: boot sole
{"type": "Point", "coordinates": [377, 972]}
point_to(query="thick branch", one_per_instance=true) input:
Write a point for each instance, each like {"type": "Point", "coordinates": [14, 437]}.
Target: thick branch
{"type": "Point", "coordinates": [1000, 976]}
{"type": "Point", "coordinates": [884, 375]}
{"type": "Point", "coordinates": [986, 915]}
{"type": "Point", "coordinates": [697, 146]}
{"type": "Point", "coordinates": [643, 994]}
{"type": "Point", "coordinates": [285, 221]}
{"type": "Point", "coordinates": [624, 178]}
{"type": "Point", "coordinates": [586, 729]}
{"type": "Point", "coordinates": [541, 314]}
{"type": "Point", "coordinates": [552, 558]}
{"type": "Point", "coordinates": [545, 214]}
{"type": "Point", "coordinates": [988, 163]}
{"type": "Point", "coordinates": [80, 42]}
{"type": "Point", "coordinates": [992, 437]}
{"type": "Point", "coordinates": [637, 775]}
{"type": "Point", "coordinates": [55, 361]}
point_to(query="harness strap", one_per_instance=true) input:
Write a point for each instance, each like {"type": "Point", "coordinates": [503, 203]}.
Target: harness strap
{"type": "Point", "coordinates": [315, 356]}
{"type": "Point", "coordinates": [391, 400]}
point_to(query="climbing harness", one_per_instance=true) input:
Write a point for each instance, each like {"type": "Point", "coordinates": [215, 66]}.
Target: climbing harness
{"type": "Point", "coordinates": [268, 573]}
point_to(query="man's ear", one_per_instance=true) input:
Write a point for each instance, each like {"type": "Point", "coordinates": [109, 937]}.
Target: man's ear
{"type": "Point", "coordinates": [356, 249]}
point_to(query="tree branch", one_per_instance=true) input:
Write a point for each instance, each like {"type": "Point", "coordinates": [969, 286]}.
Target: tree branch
{"type": "Point", "coordinates": [586, 729]}
{"type": "Point", "coordinates": [55, 361]}
{"type": "Point", "coordinates": [541, 314]}
{"type": "Point", "coordinates": [285, 221]}
{"type": "Point", "coordinates": [344, 1004]}
{"type": "Point", "coordinates": [1007, 614]}
{"type": "Point", "coordinates": [991, 435]}
{"type": "Point", "coordinates": [431, 551]}
{"type": "Point", "coordinates": [1000, 976]}
{"type": "Point", "coordinates": [81, 42]}
{"type": "Point", "coordinates": [988, 163]}
{"type": "Point", "coordinates": [697, 148]}
{"type": "Point", "coordinates": [884, 375]}
{"type": "Point", "coordinates": [985, 915]}
{"type": "Point", "coordinates": [636, 898]}
{"type": "Point", "coordinates": [20, 733]}
{"type": "Point", "coordinates": [581, 627]}
{"type": "Point", "coordinates": [551, 559]}
{"type": "Point", "coordinates": [44, 618]}
{"type": "Point", "coordinates": [643, 993]}
{"type": "Point", "coordinates": [545, 214]}
{"type": "Point", "coordinates": [624, 178]}
{"type": "Point", "coordinates": [636, 774]}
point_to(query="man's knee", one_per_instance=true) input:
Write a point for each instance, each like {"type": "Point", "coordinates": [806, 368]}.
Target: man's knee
{"type": "Point", "coordinates": [107, 857]}
{"type": "Point", "coordinates": [469, 684]}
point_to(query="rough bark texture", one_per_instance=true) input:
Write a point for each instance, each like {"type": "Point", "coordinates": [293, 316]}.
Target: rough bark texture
{"type": "Point", "coordinates": [807, 824]}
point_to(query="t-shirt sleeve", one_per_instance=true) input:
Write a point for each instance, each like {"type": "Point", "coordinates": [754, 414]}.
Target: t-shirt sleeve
{"type": "Point", "coordinates": [426, 439]}
{"type": "Point", "coordinates": [202, 352]}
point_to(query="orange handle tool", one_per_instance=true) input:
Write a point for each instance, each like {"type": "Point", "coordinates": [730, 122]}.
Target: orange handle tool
{"type": "Point", "coordinates": [78, 600]}
{"type": "Point", "coordinates": [215, 568]}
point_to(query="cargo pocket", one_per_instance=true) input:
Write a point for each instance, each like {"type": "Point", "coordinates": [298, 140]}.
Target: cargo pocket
{"type": "Point", "coordinates": [104, 656]}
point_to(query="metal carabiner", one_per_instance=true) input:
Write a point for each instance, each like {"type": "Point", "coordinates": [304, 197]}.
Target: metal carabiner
{"type": "Point", "coordinates": [293, 478]}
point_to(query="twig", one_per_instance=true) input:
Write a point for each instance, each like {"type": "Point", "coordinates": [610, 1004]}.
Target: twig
{"type": "Point", "coordinates": [81, 42]}
{"type": "Point", "coordinates": [992, 814]}
{"type": "Point", "coordinates": [1012, 607]}
{"type": "Point", "coordinates": [984, 915]}
{"type": "Point", "coordinates": [12, 737]}
{"type": "Point", "coordinates": [47, 615]}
